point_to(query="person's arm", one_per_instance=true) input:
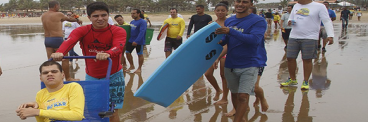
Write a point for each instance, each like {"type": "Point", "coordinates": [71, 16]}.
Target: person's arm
{"type": "Point", "coordinates": [282, 22]}
{"type": "Point", "coordinates": [182, 28]}
{"type": "Point", "coordinates": [190, 26]}
{"type": "Point", "coordinates": [223, 53]}
{"type": "Point", "coordinates": [326, 20]}
{"type": "Point", "coordinates": [70, 18]}
{"type": "Point", "coordinates": [1, 72]}
{"type": "Point", "coordinates": [341, 15]}
{"type": "Point", "coordinates": [142, 31]}
{"type": "Point", "coordinates": [149, 21]}
{"type": "Point", "coordinates": [118, 43]}
{"type": "Point", "coordinates": [67, 45]}
{"type": "Point", "coordinates": [253, 37]}
{"type": "Point", "coordinates": [76, 105]}
{"type": "Point", "coordinates": [333, 16]}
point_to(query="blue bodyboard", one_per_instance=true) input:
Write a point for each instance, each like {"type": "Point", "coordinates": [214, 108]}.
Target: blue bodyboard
{"type": "Point", "coordinates": [183, 67]}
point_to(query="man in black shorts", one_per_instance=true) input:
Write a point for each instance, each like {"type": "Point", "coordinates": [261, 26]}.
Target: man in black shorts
{"type": "Point", "coordinates": [285, 28]}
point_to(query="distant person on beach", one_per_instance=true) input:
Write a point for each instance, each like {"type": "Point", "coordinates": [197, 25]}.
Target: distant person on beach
{"type": "Point", "coordinates": [199, 20]}
{"type": "Point", "coordinates": [244, 32]}
{"type": "Point", "coordinates": [344, 17]}
{"type": "Point", "coordinates": [58, 101]}
{"type": "Point", "coordinates": [52, 24]}
{"type": "Point", "coordinates": [104, 41]}
{"type": "Point", "coordinates": [269, 17]}
{"type": "Point", "coordinates": [359, 14]}
{"type": "Point", "coordinates": [174, 33]}
{"type": "Point", "coordinates": [68, 27]}
{"type": "Point", "coordinates": [285, 28]}
{"type": "Point", "coordinates": [137, 39]}
{"type": "Point", "coordinates": [305, 19]}
{"type": "Point", "coordinates": [1, 71]}
{"type": "Point", "coordinates": [145, 17]}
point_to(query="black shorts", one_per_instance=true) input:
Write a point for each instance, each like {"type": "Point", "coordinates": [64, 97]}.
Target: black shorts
{"type": "Point", "coordinates": [260, 71]}
{"type": "Point", "coordinates": [171, 43]}
{"type": "Point", "coordinates": [286, 34]}
{"type": "Point", "coordinates": [130, 48]}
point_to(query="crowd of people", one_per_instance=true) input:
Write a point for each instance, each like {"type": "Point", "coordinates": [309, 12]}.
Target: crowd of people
{"type": "Point", "coordinates": [302, 26]}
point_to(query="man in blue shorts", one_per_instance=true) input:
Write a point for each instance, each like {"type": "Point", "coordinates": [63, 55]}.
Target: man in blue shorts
{"type": "Point", "coordinates": [52, 24]}
{"type": "Point", "coordinates": [244, 33]}
{"type": "Point", "coordinates": [305, 19]}
{"type": "Point", "coordinates": [137, 39]}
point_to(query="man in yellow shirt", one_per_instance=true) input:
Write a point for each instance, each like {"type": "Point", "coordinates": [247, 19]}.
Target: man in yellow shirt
{"type": "Point", "coordinates": [174, 32]}
{"type": "Point", "coordinates": [58, 101]}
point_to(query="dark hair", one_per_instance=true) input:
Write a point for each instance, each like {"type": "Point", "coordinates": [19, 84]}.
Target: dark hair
{"type": "Point", "coordinates": [50, 63]}
{"type": "Point", "coordinates": [139, 12]}
{"type": "Point", "coordinates": [97, 6]}
{"type": "Point", "coordinates": [292, 6]}
{"type": "Point", "coordinates": [52, 4]}
{"type": "Point", "coordinates": [174, 9]}
{"type": "Point", "coordinates": [327, 2]}
{"type": "Point", "coordinates": [118, 16]}
{"type": "Point", "coordinates": [200, 6]}
{"type": "Point", "coordinates": [254, 10]}
{"type": "Point", "coordinates": [224, 4]}
{"type": "Point", "coordinates": [142, 10]}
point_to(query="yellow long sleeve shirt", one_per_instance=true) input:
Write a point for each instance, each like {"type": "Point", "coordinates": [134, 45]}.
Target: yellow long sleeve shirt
{"type": "Point", "coordinates": [176, 27]}
{"type": "Point", "coordinates": [64, 104]}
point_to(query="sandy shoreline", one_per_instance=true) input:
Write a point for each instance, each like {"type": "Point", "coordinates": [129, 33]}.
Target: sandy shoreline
{"type": "Point", "coordinates": [155, 19]}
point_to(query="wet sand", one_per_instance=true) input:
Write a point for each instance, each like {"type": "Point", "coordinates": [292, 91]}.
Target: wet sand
{"type": "Point", "coordinates": [341, 98]}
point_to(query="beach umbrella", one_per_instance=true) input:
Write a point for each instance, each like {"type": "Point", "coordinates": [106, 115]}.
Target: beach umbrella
{"type": "Point", "coordinates": [345, 4]}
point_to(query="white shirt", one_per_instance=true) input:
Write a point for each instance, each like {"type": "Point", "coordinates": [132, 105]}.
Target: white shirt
{"type": "Point", "coordinates": [110, 21]}
{"type": "Point", "coordinates": [68, 27]}
{"type": "Point", "coordinates": [307, 20]}
{"type": "Point", "coordinates": [285, 18]}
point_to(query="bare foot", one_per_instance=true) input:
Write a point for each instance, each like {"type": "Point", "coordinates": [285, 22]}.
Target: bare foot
{"type": "Point", "coordinates": [217, 96]}
{"type": "Point", "coordinates": [264, 105]}
{"type": "Point", "coordinates": [221, 102]}
{"type": "Point", "coordinates": [138, 71]}
{"type": "Point", "coordinates": [72, 79]}
{"type": "Point", "coordinates": [231, 113]}
{"type": "Point", "coordinates": [256, 103]}
{"type": "Point", "coordinates": [130, 68]}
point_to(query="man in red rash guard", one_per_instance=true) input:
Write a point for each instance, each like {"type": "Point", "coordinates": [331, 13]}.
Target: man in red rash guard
{"type": "Point", "coordinates": [101, 40]}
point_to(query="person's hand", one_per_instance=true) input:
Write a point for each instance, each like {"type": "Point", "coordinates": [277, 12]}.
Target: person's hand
{"type": "Point", "coordinates": [134, 44]}
{"type": "Point", "coordinates": [23, 113]}
{"type": "Point", "coordinates": [150, 25]}
{"type": "Point", "coordinates": [1, 71]}
{"type": "Point", "coordinates": [210, 22]}
{"type": "Point", "coordinates": [80, 22]}
{"type": "Point", "coordinates": [102, 56]}
{"type": "Point", "coordinates": [29, 105]}
{"type": "Point", "coordinates": [178, 37]}
{"type": "Point", "coordinates": [290, 23]}
{"type": "Point", "coordinates": [330, 40]}
{"type": "Point", "coordinates": [188, 36]}
{"type": "Point", "coordinates": [215, 64]}
{"type": "Point", "coordinates": [222, 30]}
{"type": "Point", "coordinates": [57, 56]}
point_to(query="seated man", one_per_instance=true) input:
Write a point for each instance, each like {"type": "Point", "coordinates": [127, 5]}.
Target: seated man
{"type": "Point", "coordinates": [58, 101]}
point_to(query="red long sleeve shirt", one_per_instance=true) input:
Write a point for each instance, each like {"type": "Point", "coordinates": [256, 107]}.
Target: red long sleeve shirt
{"type": "Point", "coordinates": [109, 40]}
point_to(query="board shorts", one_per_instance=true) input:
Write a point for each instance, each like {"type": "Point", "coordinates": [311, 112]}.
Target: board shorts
{"type": "Point", "coordinates": [286, 34]}
{"type": "Point", "coordinates": [53, 42]}
{"type": "Point", "coordinates": [241, 80]}
{"type": "Point", "coordinates": [308, 47]}
{"type": "Point", "coordinates": [171, 43]}
{"type": "Point", "coordinates": [322, 33]}
{"type": "Point", "coordinates": [130, 48]}
{"type": "Point", "coordinates": [117, 87]}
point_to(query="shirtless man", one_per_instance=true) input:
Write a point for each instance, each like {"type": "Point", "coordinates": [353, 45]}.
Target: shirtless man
{"type": "Point", "coordinates": [52, 24]}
